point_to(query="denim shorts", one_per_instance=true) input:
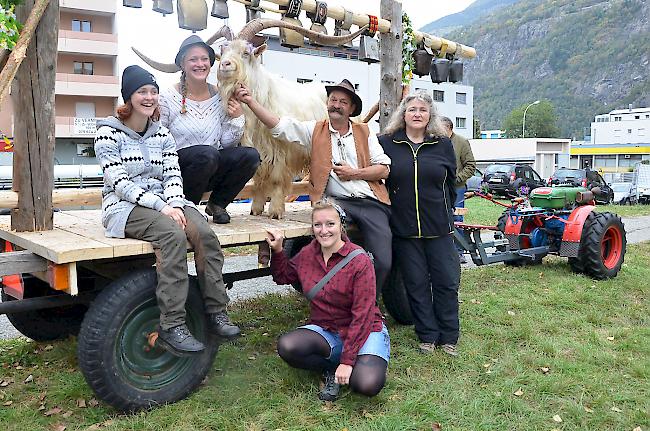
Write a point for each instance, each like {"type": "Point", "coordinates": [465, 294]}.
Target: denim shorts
{"type": "Point", "coordinates": [377, 344]}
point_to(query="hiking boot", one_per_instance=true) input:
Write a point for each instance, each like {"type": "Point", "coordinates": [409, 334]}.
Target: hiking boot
{"type": "Point", "coordinates": [220, 324]}
{"type": "Point", "coordinates": [219, 215]}
{"type": "Point", "coordinates": [449, 349]}
{"type": "Point", "coordinates": [179, 340]}
{"type": "Point", "coordinates": [330, 391]}
{"type": "Point", "coordinates": [462, 258]}
{"type": "Point", "coordinates": [427, 347]}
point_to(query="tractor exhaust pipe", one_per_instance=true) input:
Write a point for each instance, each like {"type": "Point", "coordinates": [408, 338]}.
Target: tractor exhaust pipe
{"type": "Point", "coordinates": [586, 197]}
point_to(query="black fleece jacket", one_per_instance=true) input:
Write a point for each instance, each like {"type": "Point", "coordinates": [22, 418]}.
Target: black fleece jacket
{"type": "Point", "coordinates": [421, 185]}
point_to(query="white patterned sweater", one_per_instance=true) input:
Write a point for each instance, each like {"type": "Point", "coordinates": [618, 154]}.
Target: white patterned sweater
{"type": "Point", "coordinates": [204, 123]}
{"type": "Point", "coordinates": [138, 170]}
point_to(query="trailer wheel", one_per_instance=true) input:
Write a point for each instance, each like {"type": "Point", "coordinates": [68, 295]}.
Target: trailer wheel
{"type": "Point", "coordinates": [47, 324]}
{"type": "Point", "coordinates": [395, 298]}
{"type": "Point", "coordinates": [602, 245]}
{"type": "Point", "coordinates": [114, 352]}
{"type": "Point", "coordinates": [291, 248]}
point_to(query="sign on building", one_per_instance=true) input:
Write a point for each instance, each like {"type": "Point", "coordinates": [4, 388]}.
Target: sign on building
{"type": "Point", "coordinates": [84, 126]}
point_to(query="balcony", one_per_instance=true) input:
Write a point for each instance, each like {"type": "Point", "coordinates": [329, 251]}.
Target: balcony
{"type": "Point", "coordinates": [92, 6]}
{"type": "Point", "coordinates": [71, 84]}
{"type": "Point", "coordinates": [78, 42]}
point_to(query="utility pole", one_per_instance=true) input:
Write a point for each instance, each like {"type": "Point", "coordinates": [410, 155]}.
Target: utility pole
{"type": "Point", "coordinates": [390, 92]}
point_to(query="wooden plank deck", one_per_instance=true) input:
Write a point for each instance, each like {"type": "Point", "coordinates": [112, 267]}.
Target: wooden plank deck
{"type": "Point", "coordinates": [78, 235]}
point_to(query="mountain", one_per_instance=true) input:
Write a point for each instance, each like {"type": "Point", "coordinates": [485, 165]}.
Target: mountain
{"type": "Point", "coordinates": [458, 20]}
{"type": "Point", "coordinates": [587, 57]}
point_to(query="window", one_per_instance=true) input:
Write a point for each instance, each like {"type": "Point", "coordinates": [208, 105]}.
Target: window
{"type": "Point", "coordinates": [629, 131]}
{"type": "Point", "coordinates": [81, 25]}
{"type": "Point", "coordinates": [605, 161]}
{"type": "Point", "coordinates": [438, 96]}
{"type": "Point", "coordinates": [83, 68]}
{"type": "Point", "coordinates": [338, 54]}
{"type": "Point", "coordinates": [641, 132]}
{"type": "Point", "coordinates": [617, 132]}
{"type": "Point", "coordinates": [617, 118]}
{"type": "Point", "coordinates": [461, 98]}
{"type": "Point", "coordinates": [460, 123]}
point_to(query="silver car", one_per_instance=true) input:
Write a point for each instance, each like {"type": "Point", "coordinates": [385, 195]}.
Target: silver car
{"type": "Point", "coordinates": [624, 193]}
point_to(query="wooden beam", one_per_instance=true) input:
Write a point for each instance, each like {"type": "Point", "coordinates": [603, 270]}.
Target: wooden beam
{"type": "Point", "coordinates": [18, 262]}
{"type": "Point", "coordinates": [34, 136]}
{"type": "Point", "coordinates": [17, 55]}
{"type": "Point", "coordinates": [67, 198]}
{"type": "Point", "coordinates": [361, 19]}
{"type": "Point", "coordinates": [390, 89]}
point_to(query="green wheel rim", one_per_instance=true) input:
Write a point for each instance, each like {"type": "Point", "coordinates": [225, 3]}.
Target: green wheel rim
{"type": "Point", "coordinates": [142, 366]}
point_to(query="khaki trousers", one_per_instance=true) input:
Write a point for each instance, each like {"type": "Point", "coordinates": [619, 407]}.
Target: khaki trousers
{"type": "Point", "coordinates": [169, 242]}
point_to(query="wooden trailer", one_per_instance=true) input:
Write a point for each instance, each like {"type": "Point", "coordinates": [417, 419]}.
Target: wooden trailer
{"type": "Point", "coordinates": [62, 276]}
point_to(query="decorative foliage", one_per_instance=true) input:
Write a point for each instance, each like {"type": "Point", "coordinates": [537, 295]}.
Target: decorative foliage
{"type": "Point", "coordinates": [408, 47]}
{"type": "Point", "coordinates": [9, 26]}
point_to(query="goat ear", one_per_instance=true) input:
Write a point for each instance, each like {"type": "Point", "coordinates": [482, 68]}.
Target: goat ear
{"type": "Point", "coordinates": [259, 50]}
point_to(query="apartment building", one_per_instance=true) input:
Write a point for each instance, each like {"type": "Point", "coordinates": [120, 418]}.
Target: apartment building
{"type": "Point", "coordinates": [619, 140]}
{"type": "Point", "coordinates": [87, 79]}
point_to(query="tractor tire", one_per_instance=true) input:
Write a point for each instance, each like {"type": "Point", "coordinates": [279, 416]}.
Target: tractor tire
{"type": "Point", "coordinates": [524, 243]}
{"type": "Point", "coordinates": [395, 298]}
{"type": "Point", "coordinates": [116, 358]}
{"type": "Point", "coordinates": [291, 248]}
{"type": "Point", "coordinates": [47, 324]}
{"type": "Point", "coordinates": [602, 246]}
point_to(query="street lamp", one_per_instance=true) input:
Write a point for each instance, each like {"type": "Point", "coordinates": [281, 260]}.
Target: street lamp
{"type": "Point", "coordinates": [523, 125]}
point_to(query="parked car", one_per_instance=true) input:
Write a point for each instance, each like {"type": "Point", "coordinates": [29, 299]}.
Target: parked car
{"type": "Point", "coordinates": [511, 179]}
{"type": "Point", "coordinates": [474, 182]}
{"type": "Point", "coordinates": [584, 178]}
{"type": "Point", "coordinates": [624, 193]}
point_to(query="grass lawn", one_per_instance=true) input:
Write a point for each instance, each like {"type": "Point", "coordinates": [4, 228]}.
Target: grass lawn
{"type": "Point", "coordinates": [541, 349]}
{"type": "Point", "coordinates": [486, 213]}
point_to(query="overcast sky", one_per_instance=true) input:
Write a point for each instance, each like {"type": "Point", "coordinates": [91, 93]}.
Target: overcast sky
{"type": "Point", "coordinates": [160, 37]}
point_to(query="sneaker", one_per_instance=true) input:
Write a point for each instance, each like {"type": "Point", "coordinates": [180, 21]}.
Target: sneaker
{"type": "Point", "coordinates": [450, 349]}
{"type": "Point", "coordinates": [427, 347]}
{"type": "Point", "coordinates": [219, 215]}
{"type": "Point", "coordinates": [220, 324]}
{"type": "Point", "coordinates": [462, 258]}
{"type": "Point", "coordinates": [330, 391]}
{"type": "Point", "coordinates": [179, 340]}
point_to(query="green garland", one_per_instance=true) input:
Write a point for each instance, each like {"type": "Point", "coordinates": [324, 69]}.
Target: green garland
{"type": "Point", "coordinates": [9, 26]}
{"type": "Point", "coordinates": [408, 47]}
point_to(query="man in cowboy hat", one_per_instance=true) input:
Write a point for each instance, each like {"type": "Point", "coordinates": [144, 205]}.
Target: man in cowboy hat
{"type": "Point", "coordinates": [347, 163]}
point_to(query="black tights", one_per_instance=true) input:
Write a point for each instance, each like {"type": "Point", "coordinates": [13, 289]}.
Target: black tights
{"type": "Point", "coordinates": [308, 350]}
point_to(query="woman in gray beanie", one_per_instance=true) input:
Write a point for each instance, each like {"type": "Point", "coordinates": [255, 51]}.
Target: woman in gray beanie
{"type": "Point", "coordinates": [207, 137]}
{"type": "Point", "coordinates": [143, 199]}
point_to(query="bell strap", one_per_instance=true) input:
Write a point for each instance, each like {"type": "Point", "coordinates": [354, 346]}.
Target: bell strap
{"type": "Point", "coordinates": [320, 16]}
{"type": "Point", "coordinates": [255, 5]}
{"type": "Point", "coordinates": [348, 20]}
{"type": "Point", "coordinates": [332, 272]}
{"type": "Point", "coordinates": [292, 10]}
{"type": "Point", "coordinates": [373, 26]}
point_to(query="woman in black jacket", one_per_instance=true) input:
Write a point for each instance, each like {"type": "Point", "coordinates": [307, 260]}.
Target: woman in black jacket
{"type": "Point", "coordinates": [422, 193]}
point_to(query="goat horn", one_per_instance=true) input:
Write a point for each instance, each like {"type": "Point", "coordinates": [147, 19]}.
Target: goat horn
{"type": "Point", "coordinates": [224, 31]}
{"type": "Point", "coordinates": [163, 67]}
{"type": "Point", "coordinates": [255, 26]}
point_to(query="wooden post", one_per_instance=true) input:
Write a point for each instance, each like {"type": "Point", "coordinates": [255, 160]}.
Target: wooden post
{"type": "Point", "coordinates": [34, 134]}
{"type": "Point", "coordinates": [390, 91]}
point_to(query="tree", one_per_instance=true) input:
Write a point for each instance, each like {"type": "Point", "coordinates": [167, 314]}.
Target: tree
{"type": "Point", "coordinates": [541, 121]}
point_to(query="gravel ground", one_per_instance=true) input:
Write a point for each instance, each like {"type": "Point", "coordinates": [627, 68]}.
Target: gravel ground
{"type": "Point", "coordinates": [636, 229]}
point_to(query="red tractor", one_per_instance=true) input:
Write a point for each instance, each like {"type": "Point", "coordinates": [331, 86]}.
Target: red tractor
{"type": "Point", "coordinates": [552, 220]}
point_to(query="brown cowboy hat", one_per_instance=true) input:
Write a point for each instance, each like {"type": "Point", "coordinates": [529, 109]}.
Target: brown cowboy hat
{"type": "Point", "coordinates": [347, 87]}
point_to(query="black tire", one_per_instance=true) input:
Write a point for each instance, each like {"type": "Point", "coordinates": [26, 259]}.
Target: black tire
{"type": "Point", "coordinates": [524, 243]}
{"type": "Point", "coordinates": [113, 351]}
{"type": "Point", "coordinates": [47, 324]}
{"type": "Point", "coordinates": [395, 298]}
{"type": "Point", "coordinates": [291, 248]}
{"type": "Point", "coordinates": [602, 245]}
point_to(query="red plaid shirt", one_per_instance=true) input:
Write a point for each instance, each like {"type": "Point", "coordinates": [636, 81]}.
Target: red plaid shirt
{"type": "Point", "coordinates": [346, 304]}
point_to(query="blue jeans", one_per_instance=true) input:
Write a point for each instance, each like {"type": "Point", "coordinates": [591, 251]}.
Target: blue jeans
{"type": "Point", "coordinates": [377, 344]}
{"type": "Point", "coordinates": [460, 203]}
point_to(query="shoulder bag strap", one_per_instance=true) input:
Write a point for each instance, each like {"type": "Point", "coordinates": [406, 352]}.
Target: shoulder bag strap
{"type": "Point", "coordinates": [332, 272]}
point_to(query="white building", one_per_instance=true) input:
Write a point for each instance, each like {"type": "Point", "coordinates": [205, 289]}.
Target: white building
{"type": "Point", "coordinates": [332, 65]}
{"type": "Point", "coordinates": [619, 139]}
{"type": "Point", "coordinates": [545, 155]}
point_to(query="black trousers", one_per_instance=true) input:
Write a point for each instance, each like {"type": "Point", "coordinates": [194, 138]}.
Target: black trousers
{"type": "Point", "coordinates": [371, 217]}
{"type": "Point", "coordinates": [223, 172]}
{"type": "Point", "coordinates": [431, 274]}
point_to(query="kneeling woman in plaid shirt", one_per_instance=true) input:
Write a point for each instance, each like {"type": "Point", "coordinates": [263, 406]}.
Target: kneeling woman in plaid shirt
{"type": "Point", "coordinates": [346, 337]}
